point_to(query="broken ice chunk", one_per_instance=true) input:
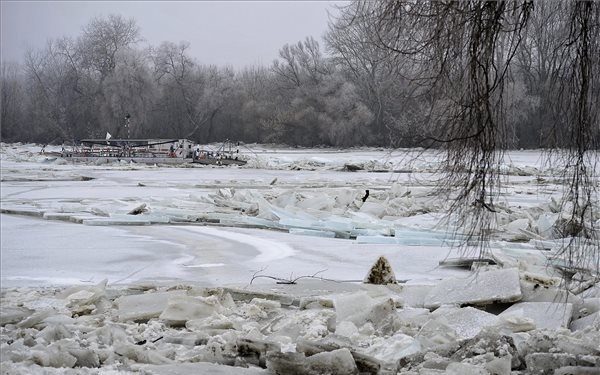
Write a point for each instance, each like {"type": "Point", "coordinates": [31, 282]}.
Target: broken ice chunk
{"type": "Point", "coordinates": [359, 308]}
{"type": "Point", "coordinates": [140, 307]}
{"type": "Point", "coordinates": [307, 324]}
{"type": "Point", "coordinates": [180, 309]}
{"type": "Point", "coordinates": [592, 320]}
{"type": "Point", "coordinates": [542, 288]}
{"type": "Point", "coordinates": [36, 318]}
{"type": "Point", "coordinates": [467, 321]}
{"type": "Point", "coordinates": [124, 219]}
{"type": "Point", "coordinates": [545, 225]}
{"type": "Point", "coordinates": [375, 209]}
{"type": "Point", "coordinates": [546, 315]}
{"type": "Point", "coordinates": [515, 324]}
{"type": "Point", "coordinates": [459, 368]}
{"type": "Point", "coordinates": [480, 288]}
{"type": "Point", "coordinates": [436, 332]}
{"type": "Point", "coordinates": [414, 295]}
{"type": "Point", "coordinates": [53, 356]}
{"type": "Point", "coordinates": [255, 351]}
{"type": "Point", "coordinates": [12, 315]}
{"type": "Point", "coordinates": [517, 230]}
{"type": "Point", "coordinates": [336, 362]}
{"type": "Point", "coordinates": [312, 232]}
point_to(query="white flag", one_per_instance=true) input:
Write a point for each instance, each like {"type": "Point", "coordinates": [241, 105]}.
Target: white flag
{"type": "Point", "coordinates": [108, 136]}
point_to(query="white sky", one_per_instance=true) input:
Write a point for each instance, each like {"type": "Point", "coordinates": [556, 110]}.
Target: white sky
{"type": "Point", "coordinates": [236, 33]}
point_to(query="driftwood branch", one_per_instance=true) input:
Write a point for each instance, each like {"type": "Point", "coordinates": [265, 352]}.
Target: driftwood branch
{"type": "Point", "coordinates": [289, 281]}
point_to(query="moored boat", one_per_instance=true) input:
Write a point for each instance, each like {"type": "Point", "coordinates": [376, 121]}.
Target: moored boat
{"type": "Point", "coordinates": [149, 151]}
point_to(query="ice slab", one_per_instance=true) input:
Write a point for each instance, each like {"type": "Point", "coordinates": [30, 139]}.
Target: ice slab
{"type": "Point", "coordinates": [180, 309]}
{"type": "Point", "coordinates": [545, 315]}
{"type": "Point", "coordinates": [592, 304]}
{"type": "Point", "coordinates": [360, 309]}
{"type": "Point", "coordinates": [481, 288]}
{"type": "Point", "coordinates": [146, 306]}
{"type": "Point", "coordinates": [292, 293]}
{"type": "Point", "coordinates": [124, 219]}
{"type": "Point", "coordinates": [592, 320]}
{"type": "Point", "coordinates": [22, 210]}
{"type": "Point", "coordinates": [251, 221]}
{"type": "Point", "coordinates": [542, 288]}
{"type": "Point", "coordinates": [12, 315]}
{"type": "Point", "coordinates": [410, 241]}
{"type": "Point", "coordinates": [465, 262]}
{"type": "Point", "coordinates": [375, 209]}
{"type": "Point", "coordinates": [335, 362]}
{"type": "Point", "coordinates": [546, 363]}
{"type": "Point", "coordinates": [249, 294]}
{"type": "Point", "coordinates": [413, 295]}
{"type": "Point", "coordinates": [67, 216]}
{"type": "Point", "coordinates": [409, 238]}
{"type": "Point", "coordinates": [517, 230]}
{"type": "Point", "coordinates": [579, 370]}
{"type": "Point", "coordinates": [467, 321]}
{"type": "Point", "coordinates": [338, 362]}
{"type": "Point", "coordinates": [312, 232]}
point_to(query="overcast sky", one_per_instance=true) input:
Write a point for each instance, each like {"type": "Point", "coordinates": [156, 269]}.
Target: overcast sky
{"type": "Point", "coordinates": [236, 33]}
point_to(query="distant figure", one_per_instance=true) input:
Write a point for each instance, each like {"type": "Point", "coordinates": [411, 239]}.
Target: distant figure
{"type": "Point", "coordinates": [43, 150]}
{"type": "Point", "coordinates": [366, 195]}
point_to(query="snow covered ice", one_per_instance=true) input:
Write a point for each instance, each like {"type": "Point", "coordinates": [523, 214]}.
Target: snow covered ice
{"type": "Point", "coordinates": [149, 269]}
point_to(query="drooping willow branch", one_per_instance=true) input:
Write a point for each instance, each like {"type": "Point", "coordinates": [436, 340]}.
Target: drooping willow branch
{"type": "Point", "coordinates": [463, 51]}
{"type": "Point", "coordinates": [577, 137]}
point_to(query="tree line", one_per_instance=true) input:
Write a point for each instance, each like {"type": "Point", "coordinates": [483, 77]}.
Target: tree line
{"type": "Point", "coordinates": [372, 80]}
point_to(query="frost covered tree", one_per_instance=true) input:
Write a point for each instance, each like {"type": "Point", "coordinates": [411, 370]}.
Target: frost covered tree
{"type": "Point", "coordinates": [12, 101]}
{"type": "Point", "coordinates": [67, 79]}
{"type": "Point", "coordinates": [103, 39]}
{"type": "Point", "coordinates": [298, 75]}
{"type": "Point", "coordinates": [128, 90]}
{"type": "Point", "coordinates": [536, 67]}
{"type": "Point", "coordinates": [315, 103]}
{"type": "Point", "coordinates": [377, 73]}
{"type": "Point", "coordinates": [59, 91]}
{"type": "Point", "coordinates": [464, 52]}
{"type": "Point", "coordinates": [190, 94]}
{"type": "Point", "coordinates": [254, 94]}
{"type": "Point", "coordinates": [105, 46]}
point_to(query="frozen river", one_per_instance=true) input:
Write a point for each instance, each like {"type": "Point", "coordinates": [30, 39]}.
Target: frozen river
{"type": "Point", "coordinates": [126, 268]}
{"type": "Point", "coordinates": [41, 247]}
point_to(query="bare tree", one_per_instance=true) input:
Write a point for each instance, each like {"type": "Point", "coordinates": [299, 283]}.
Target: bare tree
{"type": "Point", "coordinates": [129, 90]}
{"type": "Point", "coordinates": [103, 38]}
{"type": "Point", "coordinates": [300, 77]}
{"type": "Point", "coordinates": [537, 66]}
{"type": "Point", "coordinates": [192, 95]}
{"type": "Point", "coordinates": [53, 89]}
{"type": "Point", "coordinates": [375, 71]}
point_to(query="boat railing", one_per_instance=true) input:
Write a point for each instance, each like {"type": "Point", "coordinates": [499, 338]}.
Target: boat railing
{"type": "Point", "coordinates": [121, 152]}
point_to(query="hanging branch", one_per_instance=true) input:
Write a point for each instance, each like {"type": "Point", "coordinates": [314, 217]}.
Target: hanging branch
{"type": "Point", "coordinates": [578, 99]}
{"type": "Point", "coordinates": [462, 51]}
